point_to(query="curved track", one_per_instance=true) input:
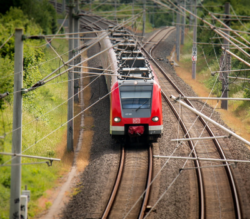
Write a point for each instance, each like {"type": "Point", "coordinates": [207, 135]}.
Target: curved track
{"type": "Point", "coordinates": [217, 187]}
{"type": "Point", "coordinates": [217, 190]}
{"type": "Point", "coordinates": [134, 175]}
{"type": "Point", "coordinates": [119, 198]}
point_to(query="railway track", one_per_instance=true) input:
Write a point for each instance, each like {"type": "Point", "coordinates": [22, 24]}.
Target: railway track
{"type": "Point", "coordinates": [217, 188]}
{"type": "Point", "coordinates": [123, 195]}
{"type": "Point", "coordinates": [133, 179]}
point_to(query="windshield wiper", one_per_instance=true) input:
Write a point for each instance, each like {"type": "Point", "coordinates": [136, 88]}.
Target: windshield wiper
{"type": "Point", "coordinates": [142, 105]}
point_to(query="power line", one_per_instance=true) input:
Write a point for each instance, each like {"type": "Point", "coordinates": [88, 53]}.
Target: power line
{"type": "Point", "coordinates": [6, 40]}
{"type": "Point", "coordinates": [166, 163]}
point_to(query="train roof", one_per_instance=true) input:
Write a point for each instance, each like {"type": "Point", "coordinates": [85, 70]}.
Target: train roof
{"type": "Point", "coordinates": [133, 67]}
{"type": "Point", "coordinates": [138, 74]}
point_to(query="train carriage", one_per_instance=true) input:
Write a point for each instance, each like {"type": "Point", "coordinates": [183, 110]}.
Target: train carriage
{"type": "Point", "coordinates": [135, 94]}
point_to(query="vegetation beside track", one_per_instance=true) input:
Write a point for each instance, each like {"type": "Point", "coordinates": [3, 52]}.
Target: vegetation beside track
{"type": "Point", "coordinates": [155, 16]}
{"type": "Point", "coordinates": [237, 109]}
{"type": "Point", "coordinates": [37, 122]}
{"type": "Point", "coordinates": [209, 55]}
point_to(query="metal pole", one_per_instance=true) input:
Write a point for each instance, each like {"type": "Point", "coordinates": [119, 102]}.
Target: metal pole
{"type": "Point", "coordinates": [144, 18]}
{"type": "Point", "coordinates": [173, 18]}
{"type": "Point", "coordinates": [154, 16]}
{"type": "Point", "coordinates": [178, 34]}
{"type": "Point", "coordinates": [76, 44]}
{"type": "Point", "coordinates": [210, 120]}
{"type": "Point", "coordinates": [194, 42]}
{"type": "Point", "coordinates": [63, 5]}
{"type": "Point", "coordinates": [190, 15]}
{"type": "Point", "coordinates": [70, 125]}
{"type": "Point", "coordinates": [15, 187]}
{"type": "Point", "coordinates": [115, 12]}
{"type": "Point", "coordinates": [183, 24]}
{"type": "Point", "coordinates": [56, 5]}
{"type": "Point", "coordinates": [133, 14]}
{"type": "Point", "coordinates": [226, 62]}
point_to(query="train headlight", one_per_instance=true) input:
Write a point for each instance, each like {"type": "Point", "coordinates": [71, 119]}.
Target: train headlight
{"type": "Point", "coordinates": [155, 119]}
{"type": "Point", "coordinates": [117, 119]}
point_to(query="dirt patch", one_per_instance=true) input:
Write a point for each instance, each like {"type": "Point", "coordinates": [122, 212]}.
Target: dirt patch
{"type": "Point", "coordinates": [84, 153]}
{"type": "Point", "coordinates": [64, 185]}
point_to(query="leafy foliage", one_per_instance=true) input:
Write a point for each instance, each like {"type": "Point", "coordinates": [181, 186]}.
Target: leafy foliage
{"type": "Point", "coordinates": [209, 36]}
{"type": "Point", "coordinates": [42, 12]}
{"type": "Point", "coordinates": [32, 56]}
{"type": "Point", "coordinates": [37, 120]}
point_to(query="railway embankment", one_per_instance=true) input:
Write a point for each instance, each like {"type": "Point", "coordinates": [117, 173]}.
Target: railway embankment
{"type": "Point", "coordinates": [237, 116]}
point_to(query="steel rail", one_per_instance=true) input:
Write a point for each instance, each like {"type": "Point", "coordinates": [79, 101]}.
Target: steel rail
{"type": "Point", "coordinates": [103, 20]}
{"type": "Point", "coordinates": [94, 26]}
{"type": "Point", "coordinates": [117, 183]}
{"type": "Point", "coordinates": [149, 179]}
{"type": "Point", "coordinates": [220, 150]}
{"type": "Point", "coordinates": [116, 186]}
{"type": "Point", "coordinates": [153, 46]}
{"type": "Point", "coordinates": [191, 144]}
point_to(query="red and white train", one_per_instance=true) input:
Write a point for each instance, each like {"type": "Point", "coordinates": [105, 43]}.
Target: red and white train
{"type": "Point", "coordinates": [135, 94]}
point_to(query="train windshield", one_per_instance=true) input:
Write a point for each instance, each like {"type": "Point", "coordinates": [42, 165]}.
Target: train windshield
{"type": "Point", "coordinates": [136, 97]}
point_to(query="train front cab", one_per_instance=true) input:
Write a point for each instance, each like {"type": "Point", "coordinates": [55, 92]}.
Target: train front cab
{"type": "Point", "coordinates": [136, 111]}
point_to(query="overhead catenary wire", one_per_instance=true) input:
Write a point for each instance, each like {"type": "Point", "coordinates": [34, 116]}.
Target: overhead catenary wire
{"type": "Point", "coordinates": [6, 41]}
{"type": "Point", "coordinates": [173, 181]}
{"type": "Point", "coordinates": [239, 42]}
{"type": "Point", "coordinates": [45, 81]}
{"type": "Point", "coordinates": [237, 16]}
{"type": "Point", "coordinates": [95, 42]}
{"type": "Point", "coordinates": [66, 122]}
{"type": "Point", "coordinates": [232, 70]}
{"type": "Point", "coordinates": [222, 34]}
{"type": "Point", "coordinates": [54, 107]}
{"type": "Point", "coordinates": [100, 74]}
{"type": "Point", "coordinates": [42, 63]}
{"type": "Point", "coordinates": [178, 12]}
{"type": "Point", "coordinates": [166, 163]}
{"type": "Point", "coordinates": [237, 57]}
{"type": "Point", "coordinates": [239, 78]}
{"type": "Point", "coordinates": [22, 164]}
{"type": "Point", "coordinates": [127, 76]}
{"type": "Point", "coordinates": [231, 15]}
{"type": "Point", "coordinates": [28, 147]}
{"type": "Point", "coordinates": [99, 39]}
{"type": "Point", "coordinates": [56, 33]}
{"type": "Point", "coordinates": [4, 95]}
{"type": "Point", "coordinates": [67, 34]}
{"type": "Point", "coordinates": [238, 31]}
{"type": "Point", "coordinates": [79, 38]}
{"type": "Point", "coordinates": [69, 98]}
{"type": "Point", "coordinates": [229, 28]}
{"type": "Point", "coordinates": [42, 83]}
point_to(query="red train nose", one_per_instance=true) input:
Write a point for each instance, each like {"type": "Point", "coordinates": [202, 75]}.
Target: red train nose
{"type": "Point", "coordinates": [136, 130]}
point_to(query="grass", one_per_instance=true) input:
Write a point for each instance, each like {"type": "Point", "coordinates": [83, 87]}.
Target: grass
{"type": "Point", "coordinates": [37, 177]}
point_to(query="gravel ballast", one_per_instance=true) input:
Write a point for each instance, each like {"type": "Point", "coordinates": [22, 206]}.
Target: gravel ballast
{"type": "Point", "coordinates": [97, 180]}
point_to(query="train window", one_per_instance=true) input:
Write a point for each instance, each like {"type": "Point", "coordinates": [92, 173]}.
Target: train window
{"type": "Point", "coordinates": [136, 100]}
{"type": "Point", "coordinates": [131, 95]}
